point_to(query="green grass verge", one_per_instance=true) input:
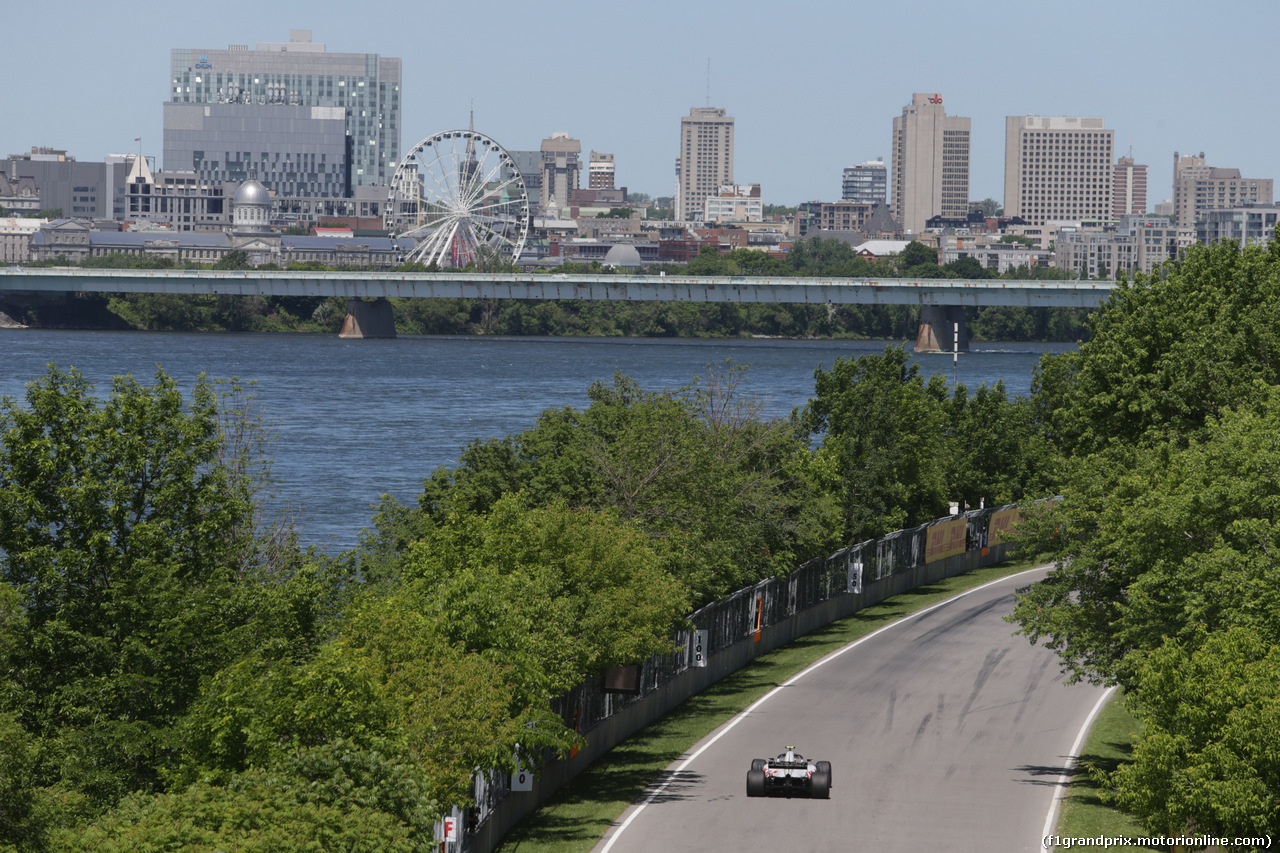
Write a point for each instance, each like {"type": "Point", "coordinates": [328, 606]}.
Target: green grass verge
{"type": "Point", "coordinates": [580, 813]}
{"type": "Point", "coordinates": [1108, 745]}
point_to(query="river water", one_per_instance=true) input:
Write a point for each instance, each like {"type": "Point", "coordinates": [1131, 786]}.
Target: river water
{"type": "Point", "coordinates": [356, 419]}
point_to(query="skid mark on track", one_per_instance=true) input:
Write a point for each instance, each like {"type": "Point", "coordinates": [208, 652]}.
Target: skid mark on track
{"type": "Point", "coordinates": [988, 666]}
{"type": "Point", "coordinates": [1034, 680]}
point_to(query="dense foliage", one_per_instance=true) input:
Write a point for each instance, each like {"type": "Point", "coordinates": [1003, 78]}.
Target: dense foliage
{"type": "Point", "coordinates": [722, 495]}
{"type": "Point", "coordinates": [897, 447]}
{"type": "Point", "coordinates": [1164, 426]}
{"type": "Point", "coordinates": [173, 675]}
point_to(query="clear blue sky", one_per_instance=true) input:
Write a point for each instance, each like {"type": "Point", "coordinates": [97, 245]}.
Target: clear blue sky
{"type": "Point", "coordinates": [813, 84]}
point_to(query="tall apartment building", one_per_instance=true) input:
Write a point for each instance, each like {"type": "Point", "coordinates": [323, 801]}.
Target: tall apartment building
{"type": "Point", "coordinates": [561, 163]}
{"type": "Point", "coordinates": [600, 171]}
{"type": "Point", "coordinates": [705, 162]}
{"type": "Point", "coordinates": [1199, 188]}
{"type": "Point", "coordinates": [1058, 168]}
{"type": "Point", "coordinates": [297, 73]}
{"type": "Point", "coordinates": [865, 183]}
{"type": "Point", "coordinates": [1129, 189]}
{"type": "Point", "coordinates": [930, 163]}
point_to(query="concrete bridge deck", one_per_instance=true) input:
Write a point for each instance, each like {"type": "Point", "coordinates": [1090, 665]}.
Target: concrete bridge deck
{"type": "Point", "coordinates": [942, 298]}
{"type": "Point", "coordinates": [352, 285]}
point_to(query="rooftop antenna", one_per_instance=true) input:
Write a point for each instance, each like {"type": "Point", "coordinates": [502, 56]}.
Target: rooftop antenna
{"type": "Point", "coordinates": [708, 81]}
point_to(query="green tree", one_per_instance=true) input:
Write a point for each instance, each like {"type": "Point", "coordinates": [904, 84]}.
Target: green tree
{"type": "Point", "coordinates": [1165, 427]}
{"type": "Point", "coordinates": [916, 254]}
{"type": "Point", "coordinates": [968, 268]}
{"type": "Point", "coordinates": [720, 490]}
{"type": "Point", "coordinates": [711, 262]}
{"type": "Point", "coordinates": [989, 207]}
{"type": "Point", "coordinates": [554, 594]}
{"type": "Point", "coordinates": [997, 455]}
{"type": "Point", "coordinates": [255, 816]}
{"type": "Point", "coordinates": [19, 824]}
{"type": "Point", "coordinates": [756, 262]}
{"type": "Point", "coordinates": [1169, 352]}
{"type": "Point", "coordinates": [817, 256]}
{"type": "Point", "coordinates": [391, 687]}
{"type": "Point", "coordinates": [883, 450]}
{"type": "Point", "coordinates": [236, 259]}
{"type": "Point", "coordinates": [127, 533]}
{"type": "Point", "coordinates": [1166, 542]}
{"type": "Point", "coordinates": [1208, 761]}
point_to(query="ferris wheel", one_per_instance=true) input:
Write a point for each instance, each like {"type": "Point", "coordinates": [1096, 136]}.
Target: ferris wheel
{"type": "Point", "coordinates": [462, 198]}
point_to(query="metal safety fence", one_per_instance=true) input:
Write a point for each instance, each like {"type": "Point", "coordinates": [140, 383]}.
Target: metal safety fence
{"type": "Point", "coordinates": [741, 617]}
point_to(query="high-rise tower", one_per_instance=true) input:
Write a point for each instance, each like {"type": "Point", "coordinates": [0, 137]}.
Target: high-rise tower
{"type": "Point", "coordinates": [1129, 188]}
{"type": "Point", "coordinates": [705, 162]}
{"type": "Point", "coordinates": [930, 163]}
{"type": "Point", "coordinates": [1058, 168]}
{"type": "Point", "coordinates": [600, 171]}
{"type": "Point", "coordinates": [560, 166]}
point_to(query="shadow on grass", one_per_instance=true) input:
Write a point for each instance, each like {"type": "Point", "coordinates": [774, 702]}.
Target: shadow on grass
{"type": "Point", "coordinates": [1082, 778]}
{"type": "Point", "coordinates": [1085, 782]}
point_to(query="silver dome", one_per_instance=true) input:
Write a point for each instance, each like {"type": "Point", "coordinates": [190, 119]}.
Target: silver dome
{"type": "Point", "coordinates": [252, 192]}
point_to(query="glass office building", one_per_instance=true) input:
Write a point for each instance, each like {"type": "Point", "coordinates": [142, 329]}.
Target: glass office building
{"type": "Point", "coordinates": [276, 75]}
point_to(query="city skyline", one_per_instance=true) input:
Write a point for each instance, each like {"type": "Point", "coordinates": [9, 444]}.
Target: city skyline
{"type": "Point", "coordinates": [619, 81]}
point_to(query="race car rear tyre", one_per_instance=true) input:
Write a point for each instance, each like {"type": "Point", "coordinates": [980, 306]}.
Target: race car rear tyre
{"type": "Point", "coordinates": [820, 785]}
{"type": "Point", "coordinates": [758, 763]}
{"type": "Point", "coordinates": [755, 783]}
{"type": "Point", "coordinates": [824, 767]}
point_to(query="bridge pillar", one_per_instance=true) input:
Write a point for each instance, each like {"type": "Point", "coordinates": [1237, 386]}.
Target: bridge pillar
{"type": "Point", "coordinates": [937, 329]}
{"type": "Point", "coordinates": [368, 320]}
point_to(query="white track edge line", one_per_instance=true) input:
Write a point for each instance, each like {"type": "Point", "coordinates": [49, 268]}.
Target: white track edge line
{"type": "Point", "coordinates": [792, 680]}
{"type": "Point", "coordinates": [1055, 808]}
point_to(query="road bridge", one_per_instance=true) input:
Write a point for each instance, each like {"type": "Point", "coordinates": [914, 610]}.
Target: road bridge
{"type": "Point", "coordinates": [942, 300]}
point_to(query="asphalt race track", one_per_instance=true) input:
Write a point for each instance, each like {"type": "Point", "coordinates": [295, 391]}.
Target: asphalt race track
{"type": "Point", "coordinates": [944, 731]}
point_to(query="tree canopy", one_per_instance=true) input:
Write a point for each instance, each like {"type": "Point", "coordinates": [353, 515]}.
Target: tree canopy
{"type": "Point", "coordinates": [896, 447]}
{"type": "Point", "coordinates": [125, 532]}
{"type": "Point", "coordinates": [1164, 430]}
{"type": "Point", "coordinates": [720, 492]}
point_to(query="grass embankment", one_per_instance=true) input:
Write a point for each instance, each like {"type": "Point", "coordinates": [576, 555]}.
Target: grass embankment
{"type": "Point", "coordinates": [578, 816]}
{"type": "Point", "coordinates": [1108, 745]}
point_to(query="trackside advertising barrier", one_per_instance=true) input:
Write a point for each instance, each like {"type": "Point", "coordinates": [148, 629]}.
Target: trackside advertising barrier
{"type": "Point", "coordinates": [725, 635]}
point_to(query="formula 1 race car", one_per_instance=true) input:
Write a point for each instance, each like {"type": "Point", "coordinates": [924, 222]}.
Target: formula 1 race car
{"type": "Point", "coordinates": [789, 773]}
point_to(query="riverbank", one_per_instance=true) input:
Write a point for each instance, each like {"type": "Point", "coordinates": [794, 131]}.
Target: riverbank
{"type": "Point", "coordinates": [530, 318]}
